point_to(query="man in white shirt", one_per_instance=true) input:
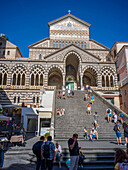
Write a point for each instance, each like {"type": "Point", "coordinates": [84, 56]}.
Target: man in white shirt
{"type": "Point", "coordinates": [93, 134]}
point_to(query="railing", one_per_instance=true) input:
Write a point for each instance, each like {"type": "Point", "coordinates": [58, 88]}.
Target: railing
{"type": "Point", "coordinates": [111, 106]}
{"type": "Point", "coordinates": [109, 88]}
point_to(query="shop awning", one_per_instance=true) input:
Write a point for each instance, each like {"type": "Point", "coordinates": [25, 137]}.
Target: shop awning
{"type": "Point", "coordinates": [4, 118]}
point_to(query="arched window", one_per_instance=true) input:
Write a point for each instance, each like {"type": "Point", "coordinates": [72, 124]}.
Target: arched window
{"type": "Point", "coordinates": [37, 80]}
{"type": "Point", "coordinates": [75, 43]}
{"type": "Point", "coordinates": [15, 99]}
{"type": "Point", "coordinates": [53, 44]}
{"type": "Point", "coordinates": [81, 44]}
{"type": "Point", "coordinates": [60, 44]}
{"type": "Point", "coordinates": [84, 45]}
{"type": "Point", "coordinates": [32, 79]}
{"type": "Point", "coordinates": [18, 99]}
{"type": "Point", "coordinates": [69, 42]}
{"type": "Point", "coordinates": [8, 53]}
{"type": "Point", "coordinates": [78, 44]}
{"type": "Point", "coordinates": [107, 81]}
{"type": "Point", "coordinates": [37, 99]}
{"type": "Point", "coordinates": [18, 79]}
{"type": "Point", "coordinates": [33, 99]}
{"type": "Point", "coordinates": [63, 44]}
{"type": "Point", "coordinates": [23, 79]}
{"type": "Point", "coordinates": [56, 44]}
{"type": "Point", "coordinates": [4, 52]}
{"type": "Point", "coordinates": [0, 78]}
{"type": "Point", "coordinates": [14, 79]}
{"type": "Point", "coordinates": [40, 57]}
{"type": "Point", "coordinates": [111, 81]}
{"type": "Point", "coordinates": [66, 43]}
{"type": "Point", "coordinates": [5, 79]}
{"type": "Point", "coordinates": [41, 80]}
{"type": "Point", "coordinates": [103, 81]}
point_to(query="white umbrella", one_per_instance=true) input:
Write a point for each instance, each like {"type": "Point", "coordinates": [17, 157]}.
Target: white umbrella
{"type": "Point", "coordinates": [2, 117]}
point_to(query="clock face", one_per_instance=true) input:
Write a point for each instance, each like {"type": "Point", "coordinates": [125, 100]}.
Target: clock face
{"type": "Point", "coordinates": [69, 24]}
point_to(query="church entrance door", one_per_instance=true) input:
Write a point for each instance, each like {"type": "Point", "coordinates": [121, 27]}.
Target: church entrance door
{"type": "Point", "coordinates": [70, 85]}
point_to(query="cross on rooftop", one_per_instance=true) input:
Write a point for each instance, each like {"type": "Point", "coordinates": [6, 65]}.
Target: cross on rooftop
{"type": "Point", "coordinates": [69, 11]}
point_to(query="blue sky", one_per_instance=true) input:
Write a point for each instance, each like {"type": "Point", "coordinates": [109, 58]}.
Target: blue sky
{"type": "Point", "coordinates": [26, 21]}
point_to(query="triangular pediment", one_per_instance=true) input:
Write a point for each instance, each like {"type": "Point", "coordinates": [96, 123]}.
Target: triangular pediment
{"type": "Point", "coordinates": [59, 56]}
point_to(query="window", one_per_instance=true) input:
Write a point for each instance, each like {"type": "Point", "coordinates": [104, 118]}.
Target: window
{"type": "Point", "coordinates": [33, 99]}
{"type": "Point", "coordinates": [3, 52]}
{"type": "Point", "coordinates": [69, 42]}
{"type": "Point", "coordinates": [60, 44]}
{"type": "Point", "coordinates": [53, 44]}
{"type": "Point", "coordinates": [75, 43]}
{"type": "Point", "coordinates": [15, 99]}
{"type": "Point", "coordinates": [0, 43]}
{"type": "Point", "coordinates": [8, 53]}
{"type": "Point", "coordinates": [63, 44]}
{"type": "Point", "coordinates": [78, 44]}
{"type": "Point", "coordinates": [66, 43]}
{"type": "Point", "coordinates": [124, 104]}
{"type": "Point", "coordinates": [40, 57]}
{"type": "Point", "coordinates": [18, 99]}
{"type": "Point", "coordinates": [84, 45]}
{"type": "Point", "coordinates": [125, 92]}
{"type": "Point", "coordinates": [69, 24]}
{"type": "Point", "coordinates": [37, 99]}
{"type": "Point", "coordinates": [81, 44]}
{"type": "Point", "coordinates": [57, 44]}
{"type": "Point", "coordinates": [118, 76]}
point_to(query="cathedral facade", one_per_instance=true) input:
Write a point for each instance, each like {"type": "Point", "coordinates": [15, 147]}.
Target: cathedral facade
{"type": "Point", "coordinates": [68, 57]}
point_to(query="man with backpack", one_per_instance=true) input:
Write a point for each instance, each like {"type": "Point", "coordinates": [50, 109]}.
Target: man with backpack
{"type": "Point", "coordinates": [48, 154]}
{"type": "Point", "coordinates": [37, 151]}
{"type": "Point", "coordinates": [118, 132]}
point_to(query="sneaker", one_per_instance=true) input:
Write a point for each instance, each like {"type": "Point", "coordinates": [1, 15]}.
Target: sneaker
{"type": "Point", "coordinates": [125, 144]}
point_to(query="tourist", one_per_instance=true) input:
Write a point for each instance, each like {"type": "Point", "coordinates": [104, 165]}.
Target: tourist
{"type": "Point", "coordinates": [62, 111]}
{"type": "Point", "coordinates": [14, 126]}
{"type": "Point", "coordinates": [93, 134]}
{"type": "Point", "coordinates": [72, 94]}
{"type": "Point", "coordinates": [86, 133]}
{"type": "Point", "coordinates": [121, 117]}
{"type": "Point", "coordinates": [37, 151]}
{"type": "Point", "coordinates": [115, 117]}
{"type": "Point", "coordinates": [1, 157]}
{"type": "Point", "coordinates": [92, 99]}
{"type": "Point", "coordinates": [81, 158]}
{"type": "Point", "coordinates": [95, 120]}
{"type": "Point", "coordinates": [58, 153]}
{"type": "Point", "coordinates": [63, 94]}
{"type": "Point", "coordinates": [121, 160]}
{"type": "Point", "coordinates": [118, 132]}
{"type": "Point", "coordinates": [125, 128]}
{"type": "Point", "coordinates": [87, 87]}
{"type": "Point", "coordinates": [108, 114]}
{"type": "Point", "coordinates": [23, 132]}
{"type": "Point", "coordinates": [48, 154]}
{"type": "Point", "coordinates": [85, 96]}
{"type": "Point", "coordinates": [74, 152]}
{"type": "Point", "coordinates": [69, 93]}
{"type": "Point", "coordinates": [89, 108]}
{"type": "Point", "coordinates": [59, 95]}
{"type": "Point", "coordinates": [58, 111]}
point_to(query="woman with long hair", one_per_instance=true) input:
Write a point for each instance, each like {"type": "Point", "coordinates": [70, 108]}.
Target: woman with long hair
{"type": "Point", "coordinates": [121, 159]}
{"type": "Point", "coordinates": [125, 128]}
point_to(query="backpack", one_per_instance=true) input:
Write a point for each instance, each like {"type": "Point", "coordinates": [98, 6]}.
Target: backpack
{"type": "Point", "coordinates": [37, 148]}
{"type": "Point", "coordinates": [46, 150]}
{"type": "Point", "coordinates": [115, 128]}
{"type": "Point", "coordinates": [123, 166]}
{"type": "Point", "coordinates": [108, 110]}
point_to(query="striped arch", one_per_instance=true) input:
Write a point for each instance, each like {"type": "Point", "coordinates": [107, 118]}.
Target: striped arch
{"type": "Point", "coordinates": [72, 52]}
{"type": "Point", "coordinates": [55, 66]}
{"type": "Point", "coordinates": [19, 65]}
{"type": "Point", "coordinates": [90, 67]}
{"type": "Point", "coordinates": [90, 76]}
{"type": "Point", "coordinates": [55, 76]}
{"type": "Point", "coordinates": [37, 66]}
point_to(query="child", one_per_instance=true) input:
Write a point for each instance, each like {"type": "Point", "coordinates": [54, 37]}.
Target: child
{"type": "Point", "coordinates": [86, 133]}
{"type": "Point", "coordinates": [89, 108]}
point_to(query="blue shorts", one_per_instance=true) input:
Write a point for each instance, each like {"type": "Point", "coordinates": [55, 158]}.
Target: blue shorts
{"type": "Point", "coordinates": [94, 136]}
{"type": "Point", "coordinates": [109, 115]}
{"type": "Point", "coordinates": [118, 134]}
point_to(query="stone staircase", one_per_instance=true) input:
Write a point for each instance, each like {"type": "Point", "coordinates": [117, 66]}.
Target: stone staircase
{"type": "Point", "coordinates": [76, 118]}
{"type": "Point", "coordinates": [99, 154]}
